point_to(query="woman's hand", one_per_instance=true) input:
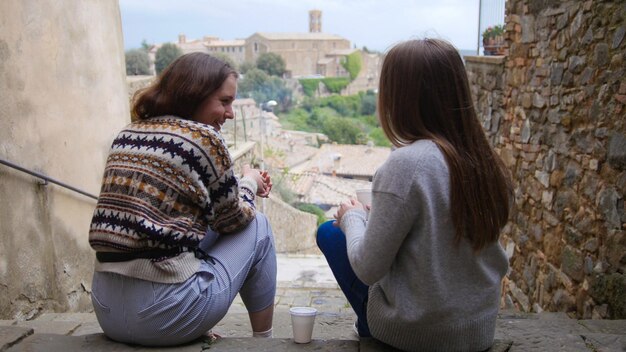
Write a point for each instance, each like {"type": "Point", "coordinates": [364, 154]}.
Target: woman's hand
{"type": "Point", "coordinates": [344, 207]}
{"type": "Point", "coordinates": [267, 184]}
{"type": "Point", "coordinates": [262, 179]}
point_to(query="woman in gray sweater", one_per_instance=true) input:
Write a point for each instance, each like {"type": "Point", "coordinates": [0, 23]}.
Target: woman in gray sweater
{"type": "Point", "coordinates": [423, 272]}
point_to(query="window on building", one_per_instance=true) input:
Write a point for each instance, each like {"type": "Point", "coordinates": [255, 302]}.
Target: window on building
{"type": "Point", "coordinates": [256, 47]}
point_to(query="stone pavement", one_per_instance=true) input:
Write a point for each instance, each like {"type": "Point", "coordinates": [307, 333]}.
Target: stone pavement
{"type": "Point", "coordinates": [308, 281]}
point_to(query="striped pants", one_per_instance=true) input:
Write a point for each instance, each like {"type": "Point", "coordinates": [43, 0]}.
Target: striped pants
{"type": "Point", "coordinates": [148, 313]}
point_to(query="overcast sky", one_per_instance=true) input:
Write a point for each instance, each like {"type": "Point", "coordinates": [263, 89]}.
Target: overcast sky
{"type": "Point", "coordinates": [376, 24]}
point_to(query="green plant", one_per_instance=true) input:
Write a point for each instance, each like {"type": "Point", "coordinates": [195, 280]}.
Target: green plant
{"type": "Point", "coordinates": [313, 209]}
{"type": "Point", "coordinates": [492, 32]}
{"type": "Point", "coordinates": [342, 130]}
{"type": "Point", "coordinates": [352, 64]}
{"type": "Point", "coordinates": [335, 84]}
{"type": "Point", "coordinates": [309, 86]}
{"type": "Point", "coordinates": [378, 137]}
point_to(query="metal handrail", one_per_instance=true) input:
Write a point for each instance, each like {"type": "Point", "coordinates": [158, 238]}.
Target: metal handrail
{"type": "Point", "coordinates": [47, 179]}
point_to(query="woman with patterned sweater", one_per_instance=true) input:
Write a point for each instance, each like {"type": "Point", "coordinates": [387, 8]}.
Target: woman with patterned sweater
{"type": "Point", "coordinates": [176, 234]}
{"type": "Point", "coordinates": [423, 271]}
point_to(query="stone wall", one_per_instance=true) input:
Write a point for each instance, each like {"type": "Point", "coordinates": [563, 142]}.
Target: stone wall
{"type": "Point", "coordinates": [62, 78]}
{"type": "Point", "coordinates": [554, 109]}
{"type": "Point", "coordinates": [294, 230]}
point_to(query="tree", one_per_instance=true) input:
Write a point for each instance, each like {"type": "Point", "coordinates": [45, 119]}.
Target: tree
{"type": "Point", "coordinates": [377, 135]}
{"type": "Point", "coordinates": [137, 62]}
{"type": "Point", "coordinates": [227, 59]}
{"type": "Point", "coordinates": [272, 63]}
{"type": "Point", "coordinates": [253, 81]}
{"type": "Point", "coordinates": [342, 130]}
{"type": "Point", "coordinates": [165, 55]}
{"type": "Point", "coordinates": [261, 87]}
{"type": "Point", "coordinates": [368, 104]}
{"type": "Point", "coordinates": [145, 46]}
{"type": "Point", "coordinates": [246, 66]}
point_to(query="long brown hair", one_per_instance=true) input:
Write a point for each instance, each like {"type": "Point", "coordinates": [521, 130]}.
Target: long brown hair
{"type": "Point", "coordinates": [182, 86]}
{"type": "Point", "coordinates": [424, 94]}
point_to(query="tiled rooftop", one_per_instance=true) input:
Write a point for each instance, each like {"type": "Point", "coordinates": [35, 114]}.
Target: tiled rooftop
{"type": "Point", "coordinates": [323, 189]}
{"type": "Point", "coordinates": [347, 160]}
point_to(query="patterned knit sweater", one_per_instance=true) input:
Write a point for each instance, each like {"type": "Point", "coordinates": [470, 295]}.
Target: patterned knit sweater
{"type": "Point", "coordinates": [166, 182]}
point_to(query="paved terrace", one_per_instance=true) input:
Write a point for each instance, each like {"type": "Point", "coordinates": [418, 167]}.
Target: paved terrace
{"type": "Point", "coordinates": [308, 281]}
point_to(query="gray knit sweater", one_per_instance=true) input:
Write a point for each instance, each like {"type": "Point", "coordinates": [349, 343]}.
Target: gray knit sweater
{"type": "Point", "coordinates": [426, 293]}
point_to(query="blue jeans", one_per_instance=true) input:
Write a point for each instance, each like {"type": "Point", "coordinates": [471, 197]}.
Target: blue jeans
{"type": "Point", "coordinates": [332, 242]}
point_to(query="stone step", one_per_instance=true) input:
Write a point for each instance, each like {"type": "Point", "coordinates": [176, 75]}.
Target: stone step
{"type": "Point", "coordinates": [332, 332]}
{"type": "Point", "coordinates": [17, 339]}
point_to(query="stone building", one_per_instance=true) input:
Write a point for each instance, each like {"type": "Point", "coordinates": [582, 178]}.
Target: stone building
{"type": "Point", "coordinates": [315, 21]}
{"type": "Point", "coordinates": [306, 54]}
{"type": "Point", "coordinates": [554, 108]}
{"type": "Point", "coordinates": [235, 49]}
{"type": "Point", "coordinates": [312, 54]}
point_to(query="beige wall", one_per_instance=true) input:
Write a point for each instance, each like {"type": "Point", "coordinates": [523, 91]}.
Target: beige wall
{"type": "Point", "coordinates": [62, 78]}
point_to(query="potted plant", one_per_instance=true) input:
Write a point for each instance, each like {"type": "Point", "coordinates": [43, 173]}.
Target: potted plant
{"type": "Point", "coordinates": [493, 40]}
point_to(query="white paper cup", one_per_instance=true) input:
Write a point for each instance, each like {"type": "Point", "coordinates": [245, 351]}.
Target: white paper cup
{"type": "Point", "coordinates": [365, 197]}
{"type": "Point", "coordinates": [302, 321]}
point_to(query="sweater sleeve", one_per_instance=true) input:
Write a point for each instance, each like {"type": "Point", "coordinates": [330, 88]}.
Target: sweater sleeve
{"type": "Point", "coordinates": [231, 200]}
{"type": "Point", "coordinates": [372, 248]}
{"type": "Point", "coordinates": [232, 210]}
{"type": "Point", "coordinates": [247, 189]}
{"type": "Point", "coordinates": [373, 245]}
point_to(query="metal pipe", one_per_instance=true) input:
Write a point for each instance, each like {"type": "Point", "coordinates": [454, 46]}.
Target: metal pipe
{"type": "Point", "coordinates": [480, 10]}
{"type": "Point", "coordinates": [47, 179]}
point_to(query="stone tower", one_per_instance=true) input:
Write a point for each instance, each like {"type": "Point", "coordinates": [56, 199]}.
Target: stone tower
{"type": "Point", "coordinates": [315, 21]}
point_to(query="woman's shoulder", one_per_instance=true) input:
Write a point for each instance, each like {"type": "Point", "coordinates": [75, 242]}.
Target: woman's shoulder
{"type": "Point", "coordinates": [173, 125]}
{"type": "Point", "coordinates": [421, 152]}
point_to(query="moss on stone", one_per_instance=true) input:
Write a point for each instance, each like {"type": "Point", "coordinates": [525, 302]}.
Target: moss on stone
{"type": "Point", "coordinates": [611, 289]}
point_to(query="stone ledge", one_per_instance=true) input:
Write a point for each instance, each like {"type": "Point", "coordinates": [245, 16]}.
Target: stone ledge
{"type": "Point", "coordinates": [491, 59]}
{"type": "Point", "coordinates": [100, 343]}
{"type": "Point", "coordinates": [11, 335]}
{"type": "Point", "coordinates": [279, 345]}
